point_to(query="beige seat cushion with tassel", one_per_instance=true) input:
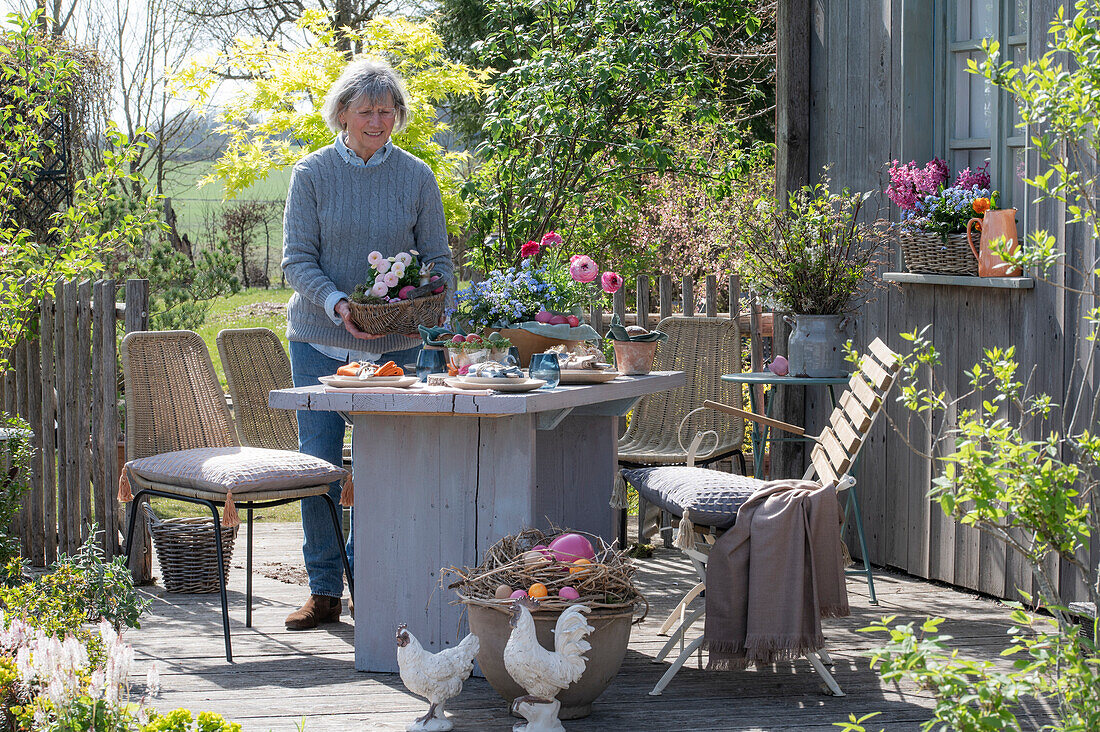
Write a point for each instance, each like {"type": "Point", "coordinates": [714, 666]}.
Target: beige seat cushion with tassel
{"type": "Point", "coordinates": [237, 470]}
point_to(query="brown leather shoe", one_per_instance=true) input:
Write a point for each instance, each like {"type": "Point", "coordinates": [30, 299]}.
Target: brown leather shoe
{"type": "Point", "coordinates": [318, 609]}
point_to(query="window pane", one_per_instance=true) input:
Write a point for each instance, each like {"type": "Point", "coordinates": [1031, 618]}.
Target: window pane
{"type": "Point", "coordinates": [973, 159]}
{"type": "Point", "coordinates": [975, 19]}
{"type": "Point", "coordinates": [1019, 57]}
{"type": "Point", "coordinates": [973, 100]}
{"type": "Point", "coordinates": [1019, 20]}
{"type": "Point", "coordinates": [1020, 190]}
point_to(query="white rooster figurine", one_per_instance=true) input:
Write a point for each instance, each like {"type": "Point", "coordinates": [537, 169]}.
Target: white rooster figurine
{"type": "Point", "coordinates": [435, 676]}
{"type": "Point", "coordinates": [542, 673]}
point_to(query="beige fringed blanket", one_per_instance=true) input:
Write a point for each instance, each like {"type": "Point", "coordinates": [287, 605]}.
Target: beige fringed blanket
{"type": "Point", "coordinates": [774, 575]}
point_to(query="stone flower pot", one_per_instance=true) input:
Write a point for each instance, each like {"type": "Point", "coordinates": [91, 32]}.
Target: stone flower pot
{"type": "Point", "coordinates": [609, 640]}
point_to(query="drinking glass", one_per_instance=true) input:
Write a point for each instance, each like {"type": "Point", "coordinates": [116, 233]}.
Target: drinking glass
{"type": "Point", "coordinates": [512, 359]}
{"type": "Point", "coordinates": [430, 361]}
{"type": "Point", "coordinates": [545, 366]}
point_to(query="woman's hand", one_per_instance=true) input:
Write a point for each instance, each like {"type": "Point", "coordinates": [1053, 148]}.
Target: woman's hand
{"type": "Point", "coordinates": [344, 311]}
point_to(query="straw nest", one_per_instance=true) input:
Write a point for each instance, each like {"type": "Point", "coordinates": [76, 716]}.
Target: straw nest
{"type": "Point", "coordinates": [604, 584]}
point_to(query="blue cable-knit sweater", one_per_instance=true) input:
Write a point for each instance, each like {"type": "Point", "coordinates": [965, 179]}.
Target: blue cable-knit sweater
{"type": "Point", "coordinates": [336, 215]}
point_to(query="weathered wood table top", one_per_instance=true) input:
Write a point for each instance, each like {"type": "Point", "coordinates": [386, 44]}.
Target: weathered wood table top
{"type": "Point", "coordinates": [316, 398]}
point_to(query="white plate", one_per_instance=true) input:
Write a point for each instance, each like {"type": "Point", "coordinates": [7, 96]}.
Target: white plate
{"type": "Point", "coordinates": [587, 376]}
{"type": "Point", "coordinates": [490, 380]}
{"type": "Point", "coordinates": [354, 382]}
{"type": "Point", "coordinates": [512, 385]}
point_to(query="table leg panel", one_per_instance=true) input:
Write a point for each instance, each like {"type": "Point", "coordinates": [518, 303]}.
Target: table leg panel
{"type": "Point", "coordinates": [576, 471]}
{"type": "Point", "coordinates": [430, 493]}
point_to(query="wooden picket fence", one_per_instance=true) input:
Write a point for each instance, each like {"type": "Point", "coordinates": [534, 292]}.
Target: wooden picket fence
{"type": "Point", "coordinates": [65, 385]}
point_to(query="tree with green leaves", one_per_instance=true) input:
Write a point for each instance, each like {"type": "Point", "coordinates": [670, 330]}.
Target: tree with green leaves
{"type": "Point", "coordinates": [588, 107]}
{"type": "Point", "coordinates": [275, 119]}
{"type": "Point", "coordinates": [37, 78]}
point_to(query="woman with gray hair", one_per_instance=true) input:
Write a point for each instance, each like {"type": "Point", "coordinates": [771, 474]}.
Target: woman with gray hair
{"type": "Point", "coordinates": [360, 194]}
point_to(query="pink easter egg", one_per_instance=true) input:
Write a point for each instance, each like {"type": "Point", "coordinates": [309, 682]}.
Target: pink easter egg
{"type": "Point", "coordinates": [779, 366]}
{"type": "Point", "coordinates": [570, 547]}
{"type": "Point", "coordinates": [544, 316]}
{"type": "Point", "coordinates": [403, 293]}
{"type": "Point", "coordinates": [568, 593]}
{"type": "Point", "coordinates": [558, 320]}
{"type": "Point", "coordinates": [518, 594]}
{"type": "Point", "coordinates": [437, 290]}
{"type": "Point", "coordinates": [573, 320]}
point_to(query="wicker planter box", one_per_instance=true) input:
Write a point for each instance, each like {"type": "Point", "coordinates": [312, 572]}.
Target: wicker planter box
{"type": "Point", "coordinates": [926, 252]}
{"type": "Point", "coordinates": [398, 317]}
{"type": "Point", "coordinates": [187, 553]}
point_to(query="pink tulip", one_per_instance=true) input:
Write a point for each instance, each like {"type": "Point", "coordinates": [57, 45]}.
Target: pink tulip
{"type": "Point", "coordinates": [611, 282]}
{"type": "Point", "coordinates": [582, 268]}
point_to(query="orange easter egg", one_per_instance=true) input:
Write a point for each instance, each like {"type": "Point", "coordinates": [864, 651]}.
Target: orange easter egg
{"type": "Point", "coordinates": [579, 566]}
{"type": "Point", "coordinates": [537, 591]}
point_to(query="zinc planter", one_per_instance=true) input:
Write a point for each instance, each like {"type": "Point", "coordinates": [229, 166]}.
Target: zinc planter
{"type": "Point", "coordinates": [609, 640]}
{"type": "Point", "coordinates": [816, 344]}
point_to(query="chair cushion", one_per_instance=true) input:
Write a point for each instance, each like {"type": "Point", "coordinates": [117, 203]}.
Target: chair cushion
{"type": "Point", "coordinates": [237, 469]}
{"type": "Point", "coordinates": [706, 497]}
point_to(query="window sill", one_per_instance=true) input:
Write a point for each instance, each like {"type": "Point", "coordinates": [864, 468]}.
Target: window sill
{"type": "Point", "coordinates": [1001, 283]}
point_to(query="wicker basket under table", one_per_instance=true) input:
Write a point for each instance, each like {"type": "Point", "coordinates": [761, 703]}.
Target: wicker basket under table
{"type": "Point", "coordinates": [926, 252]}
{"type": "Point", "coordinates": [187, 553]}
{"type": "Point", "coordinates": [398, 317]}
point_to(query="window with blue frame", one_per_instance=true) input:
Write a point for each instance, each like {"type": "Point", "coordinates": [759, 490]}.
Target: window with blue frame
{"type": "Point", "coordinates": [978, 121]}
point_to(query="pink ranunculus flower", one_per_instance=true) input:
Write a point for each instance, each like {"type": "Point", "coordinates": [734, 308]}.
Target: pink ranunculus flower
{"type": "Point", "coordinates": [582, 268]}
{"type": "Point", "coordinates": [550, 238]}
{"type": "Point", "coordinates": [529, 249]}
{"type": "Point", "coordinates": [611, 282]}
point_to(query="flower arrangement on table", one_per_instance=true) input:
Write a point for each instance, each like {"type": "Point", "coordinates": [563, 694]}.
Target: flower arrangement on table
{"type": "Point", "coordinates": [546, 294]}
{"type": "Point", "coordinates": [934, 214]}
{"type": "Point", "coordinates": [398, 295]}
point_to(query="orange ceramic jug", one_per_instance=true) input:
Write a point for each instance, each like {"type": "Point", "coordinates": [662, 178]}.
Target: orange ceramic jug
{"type": "Point", "coordinates": [994, 225]}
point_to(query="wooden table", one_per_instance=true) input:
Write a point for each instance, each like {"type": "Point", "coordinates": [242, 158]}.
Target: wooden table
{"type": "Point", "coordinates": [440, 477]}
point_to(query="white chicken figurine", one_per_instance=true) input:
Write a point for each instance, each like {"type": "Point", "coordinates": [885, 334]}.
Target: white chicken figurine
{"type": "Point", "coordinates": [542, 673]}
{"type": "Point", "coordinates": [435, 676]}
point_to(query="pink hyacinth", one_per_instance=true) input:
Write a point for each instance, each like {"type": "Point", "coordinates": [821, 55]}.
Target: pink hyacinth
{"type": "Point", "coordinates": [978, 178]}
{"type": "Point", "coordinates": [550, 238]}
{"type": "Point", "coordinates": [582, 268]}
{"type": "Point", "coordinates": [909, 183]}
{"type": "Point", "coordinates": [529, 249]}
{"type": "Point", "coordinates": [611, 282]}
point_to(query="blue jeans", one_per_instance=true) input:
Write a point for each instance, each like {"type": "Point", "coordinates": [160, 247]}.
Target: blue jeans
{"type": "Point", "coordinates": [321, 434]}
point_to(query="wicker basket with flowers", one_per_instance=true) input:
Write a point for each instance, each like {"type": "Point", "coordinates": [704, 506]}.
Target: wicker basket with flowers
{"type": "Point", "coordinates": [401, 294]}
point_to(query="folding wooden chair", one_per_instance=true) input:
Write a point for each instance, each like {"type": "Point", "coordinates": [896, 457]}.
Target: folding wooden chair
{"type": "Point", "coordinates": [832, 457]}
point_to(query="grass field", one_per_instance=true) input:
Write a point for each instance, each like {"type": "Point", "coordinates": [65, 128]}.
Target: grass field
{"type": "Point", "coordinates": [198, 209]}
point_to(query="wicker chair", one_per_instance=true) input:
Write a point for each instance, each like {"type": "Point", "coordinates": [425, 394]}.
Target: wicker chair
{"type": "Point", "coordinates": [176, 416]}
{"type": "Point", "coordinates": [255, 364]}
{"type": "Point", "coordinates": [704, 349]}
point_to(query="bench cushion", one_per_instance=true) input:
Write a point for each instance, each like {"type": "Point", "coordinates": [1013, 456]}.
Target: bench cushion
{"type": "Point", "coordinates": [705, 497]}
{"type": "Point", "coordinates": [237, 469]}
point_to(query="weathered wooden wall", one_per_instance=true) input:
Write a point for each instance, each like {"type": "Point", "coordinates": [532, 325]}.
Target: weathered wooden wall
{"type": "Point", "coordinates": [870, 101]}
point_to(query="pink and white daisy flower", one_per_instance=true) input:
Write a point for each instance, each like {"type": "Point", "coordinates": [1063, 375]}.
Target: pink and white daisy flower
{"type": "Point", "coordinates": [380, 289]}
{"type": "Point", "coordinates": [374, 258]}
{"type": "Point", "coordinates": [391, 279]}
{"type": "Point", "coordinates": [404, 258]}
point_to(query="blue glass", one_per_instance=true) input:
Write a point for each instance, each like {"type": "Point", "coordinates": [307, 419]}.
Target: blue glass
{"type": "Point", "coordinates": [430, 361]}
{"type": "Point", "coordinates": [545, 366]}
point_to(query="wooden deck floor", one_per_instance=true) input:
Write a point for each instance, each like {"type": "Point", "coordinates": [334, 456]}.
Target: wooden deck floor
{"type": "Point", "coordinates": [281, 680]}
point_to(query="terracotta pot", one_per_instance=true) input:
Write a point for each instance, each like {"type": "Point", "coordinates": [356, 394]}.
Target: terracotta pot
{"type": "Point", "coordinates": [609, 640]}
{"type": "Point", "coordinates": [528, 343]}
{"type": "Point", "coordinates": [634, 357]}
